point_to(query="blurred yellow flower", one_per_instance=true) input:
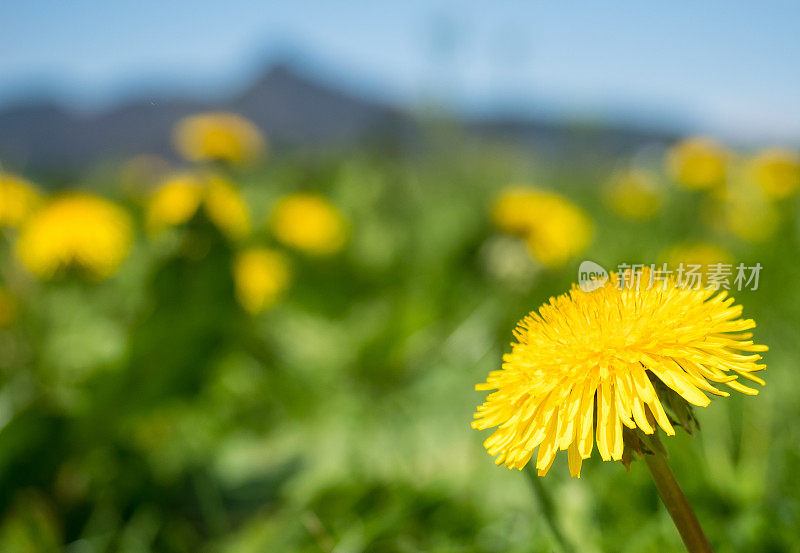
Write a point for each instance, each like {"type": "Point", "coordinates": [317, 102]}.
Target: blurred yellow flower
{"type": "Point", "coordinates": [745, 213]}
{"type": "Point", "coordinates": [8, 308]}
{"type": "Point", "coordinates": [605, 348]}
{"type": "Point", "coordinates": [76, 230]}
{"type": "Point", "coordinates": [18, 198]}
{"type": "Point", "coordinates": [694, 253]}
{"type": "Point", "coordinates": [226, 208]}
{"type": "Point", "coordinates": [218, 136]}
{"type": "Point", "coordinates": [309, 223]}
{"type": "Point", "coordinates": [777, 172]}
{"type": "Point", "coordinates": [261, 275]}
{"type": "Point", "coordinates": [554, 229]}
{"type": "Point", "coordinates": [753, 223]}
{"type": "Point", "coordinates": [698, 163]}
{"type": "Point", "coordinates": [177, 200]}
{"type": "Point", "coordinates": [633, 194]}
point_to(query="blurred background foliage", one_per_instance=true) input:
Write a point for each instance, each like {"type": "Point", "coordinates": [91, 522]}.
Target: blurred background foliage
{"type": "Point", "coordinates": [256, 351]}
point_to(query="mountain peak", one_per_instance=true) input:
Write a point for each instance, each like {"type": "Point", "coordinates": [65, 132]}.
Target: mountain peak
{"type": "Point", "coordinates": [289, 107]}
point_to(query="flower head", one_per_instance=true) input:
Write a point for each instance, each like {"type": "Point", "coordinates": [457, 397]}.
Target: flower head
{"type": "Point", "coordinates": [698, 163]}
{"type": "Point", "coordinates": [633, 194]}
{"type": "Point", "coordinates": [604, 347]}
{"type": "Point", "coordinates": [76, 230]}
{"type": "Point", "coordinates": [309, 223]}
{"type": "Point", "coordinates": [261, 275]}
{"type": "Point", "coordinates": [776, 172]}
{"type": "Point", "coordinates": [555, 229]}
{"type": "Point", "coordinates": [177, 200]}
{"type": "Point", "coordinates": [226, 208]}
{"type": "Point", "coordinates": [218, 136]}
{"type": "Point", "coordinates": [18, 198]}
{"type": "Point", "coordinates": [745, 213]}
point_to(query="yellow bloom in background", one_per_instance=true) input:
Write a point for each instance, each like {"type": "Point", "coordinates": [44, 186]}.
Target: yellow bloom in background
{"type": "Point", "coordinates": [604, 347]}
{"type": "Point", "coordinates": [633, 194]}
{"type": "Point", "coordinates": [309, 223]}
{"type": "Point", "coordinates": [754, 223]}
{"type": "Point", "coordinates": [745, 214]}
{"type": "Point", "coordinates": [261, 275]}
{"type": "Point", "coordinates": [76, 230]}
{"type": "Point", "coordinates": [226, 208]}
{"type": "Point", "coordinates": [776, 172]}
{"type": "Point", "coordinates": [177, 200]}
{"type": "Point", "coordinates": [8, 308]}
{"type": "Point", "coordinates": [218, 137]}
{"type": "Point", "coordinates": [698, 163]}
{"type": "Point", "coordinates": [554, 229]}
{"type": "Point", "coordinates": [18, 198]}
{"type": "Point", "coordinates": [515, 209]}
{"type": "Point", "coordinates": [694, 253]}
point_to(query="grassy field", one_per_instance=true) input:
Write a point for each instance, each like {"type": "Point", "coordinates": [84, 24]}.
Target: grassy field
{"type": "Point", "coordinates": [146, 407]}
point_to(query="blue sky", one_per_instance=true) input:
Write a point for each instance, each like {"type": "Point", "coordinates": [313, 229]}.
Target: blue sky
{"type": "Point", "coordinates": [730, 68]}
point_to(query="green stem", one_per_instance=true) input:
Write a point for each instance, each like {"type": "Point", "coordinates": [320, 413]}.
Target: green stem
{"type": "Point", "coordinates": [678, 506]}
{"type": "Point", "coordinates": [548, 509]}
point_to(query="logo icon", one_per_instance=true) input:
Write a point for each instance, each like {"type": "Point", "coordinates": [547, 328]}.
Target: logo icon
{"type": "Point", "coordinates": [591, 276]}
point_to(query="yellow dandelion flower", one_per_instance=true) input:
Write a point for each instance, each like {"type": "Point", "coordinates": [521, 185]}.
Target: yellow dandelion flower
{"type": "Point", "coordinates": [76, 230]}
{"type": "Point", "coordinates": [633, 194]}
{"type": "Point", "coordinates": [18, 199]}
{"type": "Point", "coordinates": [226, 208]}
{"type": "Point", "coordinates": [698, 163]}
{"type": "Point", "coordinates": [755, 223]}
{"type": "Point", "coordinates": [695, 253]}
{"type": "Point", "coordinates": [515, 210]}
{"type": "Point", "coordinates": [603, 348]}
{"type": "Point", "coordinates": [745, 214]}
{"type": "Point", "coordinates": [261, 275]}
{"type": "Point", "coordinates": [309, 223]}
{"type": "Point", "coordinates": [554, 229]}
{"type": "Point", "coordinates": [177, 200]}
{"type": "Point", "coordinates": [776, 172]}
{"type": "Point", "coordinates": [8, 308]}
{"type": "Point", "coordinates": [218, 136]}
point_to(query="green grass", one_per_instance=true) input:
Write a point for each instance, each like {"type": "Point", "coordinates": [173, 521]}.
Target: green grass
{"type": "Point", "coordinates": [150, 413]}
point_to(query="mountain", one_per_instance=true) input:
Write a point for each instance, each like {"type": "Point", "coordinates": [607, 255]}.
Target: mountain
{"type": "Point", "coordinates": [292, 109]}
